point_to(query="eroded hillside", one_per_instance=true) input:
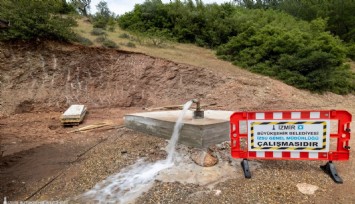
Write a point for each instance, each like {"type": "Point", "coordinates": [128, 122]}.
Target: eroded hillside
{"type": "Point", "coordinates": [50, 76]}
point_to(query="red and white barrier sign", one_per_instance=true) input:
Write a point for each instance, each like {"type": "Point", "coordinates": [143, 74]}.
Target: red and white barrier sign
{"type": "Point", "coordinates": [291, 135]}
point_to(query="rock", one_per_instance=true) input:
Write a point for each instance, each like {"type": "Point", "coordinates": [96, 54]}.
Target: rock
{"type": "Point", "coordinates": [306, 188]}
{"type": "Point", "coordinates": [223, 145]}
{"type": "Point", "coordinates": [203, 158]}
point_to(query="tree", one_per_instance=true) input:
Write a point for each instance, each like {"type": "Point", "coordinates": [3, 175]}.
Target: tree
{"type": "Point", "coordinates": [103, 16]}
{"type": "Point", "coordinates": [82, 6]}
{"type": "Point", "coordinates": [33, 19]}
{"type": "Point", "coordinates": [103, 10]}
{"type": "Point", "coordinates": [339, 13]}
{"type": "Point", "coordinates": [67, 8]}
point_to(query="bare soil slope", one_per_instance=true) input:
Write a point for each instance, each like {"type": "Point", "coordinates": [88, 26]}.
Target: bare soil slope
{"type": "Point", "coordinates": [43, 77]}
{"type": "Point", "coordinates": [51, 76]}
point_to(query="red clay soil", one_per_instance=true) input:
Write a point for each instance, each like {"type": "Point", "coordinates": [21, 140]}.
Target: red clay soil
{"type": "Point", "coordinates": [39, 81]}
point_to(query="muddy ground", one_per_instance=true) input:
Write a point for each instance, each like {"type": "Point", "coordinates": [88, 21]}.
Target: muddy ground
{"type": "Point", "coordinates": [40, 160]}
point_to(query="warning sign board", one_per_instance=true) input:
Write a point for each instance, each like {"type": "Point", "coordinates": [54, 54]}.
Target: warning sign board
{"type": "Point", "coordinates": [281, 135]}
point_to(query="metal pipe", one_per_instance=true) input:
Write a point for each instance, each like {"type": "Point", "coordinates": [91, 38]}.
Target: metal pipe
{"type": "Point", "coordinates": [198, 113]}
{"type": "Point", "coordinates": [198, 105]}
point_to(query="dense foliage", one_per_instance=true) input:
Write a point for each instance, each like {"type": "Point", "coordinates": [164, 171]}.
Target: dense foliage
{"type": "Point", "coordinates": [340, 13]}
{"type": "Point", "coordinates": [299, 53]}
{"type": "Point", "coordinates": [32, 19]}
{"type": "Point", "coordinates": [267, 41]}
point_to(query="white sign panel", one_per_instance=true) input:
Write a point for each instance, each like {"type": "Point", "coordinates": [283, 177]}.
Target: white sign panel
{"type": "Point", "coordinates": [288, 135]}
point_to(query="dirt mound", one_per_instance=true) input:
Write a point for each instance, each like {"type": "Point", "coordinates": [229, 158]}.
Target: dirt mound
{"type": "Point", "coordinates": [52, 76]}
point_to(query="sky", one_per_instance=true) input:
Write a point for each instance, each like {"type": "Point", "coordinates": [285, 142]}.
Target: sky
{"type": "Point", "coordinates": [122, 6]}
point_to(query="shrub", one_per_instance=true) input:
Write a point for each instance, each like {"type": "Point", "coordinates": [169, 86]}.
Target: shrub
{"type": "Point", "coordinates": [83, 40]}
{"type": "Point", "coordinates": [103, 17]}
{"type": "Point", "coordinates": [31, 19]}
{"type": "Point", "coordinates": [351, 51]}
{"type": "Point", "coordinates": [98, 31]}
{"type": "Point", "coordinates": [109, 43]}
{"type": "Point", "coordinates": [130, 44]}
{"type": "Point", "coordinates": [300, 54]}
{"type": "Point", "coordinates": [111, 24]}
{"type": "Point", "coordinates": [111, 29]}
{"type": "Point", "coordinates": [100, 39]}
{"type": "Point", "coordinates": [100, 23]}
{"type": "Point", "coordinates": [124, 35]}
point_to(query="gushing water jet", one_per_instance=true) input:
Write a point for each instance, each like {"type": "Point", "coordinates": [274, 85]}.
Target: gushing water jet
{"type": "Point", "coordinates": [132, 181]}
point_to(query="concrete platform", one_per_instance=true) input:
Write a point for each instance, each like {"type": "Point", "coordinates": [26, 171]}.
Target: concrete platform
{"type": "Point", "coordinates": [200, 133]}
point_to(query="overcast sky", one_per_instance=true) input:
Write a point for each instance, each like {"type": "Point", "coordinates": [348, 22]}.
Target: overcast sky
{"type": "Point", "coordinates": [123, 6]}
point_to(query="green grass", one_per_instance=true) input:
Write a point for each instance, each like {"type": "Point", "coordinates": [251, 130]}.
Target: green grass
{"type": "Point", "coordinates": [177, 52]}
{"type": "Point", "coordinates": [180, 53]}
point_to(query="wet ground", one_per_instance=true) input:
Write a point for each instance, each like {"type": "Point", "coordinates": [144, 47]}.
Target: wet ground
{"type": "Point", "coordinates": [74, 162]}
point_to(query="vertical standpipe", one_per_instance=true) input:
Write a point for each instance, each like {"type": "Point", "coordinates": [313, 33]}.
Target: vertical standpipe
{"type": "Point", "coordinates": [198, 113]}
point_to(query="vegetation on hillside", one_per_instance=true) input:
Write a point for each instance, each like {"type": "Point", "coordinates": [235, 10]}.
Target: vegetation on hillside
{"type": "Point", "coordinates": [299, 53]}
{"type": "Point", "coordinates": [30, 19]}
{"type": "Point", "coordinates": [267, 41]}
{"type": "Point", "coordinates": [304, 43]}
{"type": "Point", "coordinates": [339, 13]}
{"type": "Point", "coordinates": [53, 20]}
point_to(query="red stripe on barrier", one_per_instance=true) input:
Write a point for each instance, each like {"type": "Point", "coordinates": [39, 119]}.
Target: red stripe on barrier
{"type": "Point", "coordinates": [286, 155]}
{"type": "Point", "coordinates": [304, 155]}
{"type": "Point", "coordinates": [269, 154]}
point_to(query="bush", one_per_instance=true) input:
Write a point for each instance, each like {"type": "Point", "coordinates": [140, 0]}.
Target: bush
{"type": "Point", "coordinates": [83, 40]}
{"type": "Point", "coordinates": [103, 17]}
{"type": "Point", "coordinates": [300, 54]}
{"type": "Point", "coordinates": [98, 31]}
{"type": "Point", "coordinates": [111, 29]}
{"type": "Point", "coordinates": [130, 44]}
{"type": "Point", "coordinates": [351, 51]}
{"type": "Point", "coordinates": [124, 35]}
{"type": "Point", "coordinates": [100, 23]}
{"type": "Point", "coordinates": [100, 39]}
{"type": "Point", "coordinates": [31, 19]}
{"type": "Point", "coordinates": [109, 43]}
{"type": "Point", "coordinates": [111, 24]}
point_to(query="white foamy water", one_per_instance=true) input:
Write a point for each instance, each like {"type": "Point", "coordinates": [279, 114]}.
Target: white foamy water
{"type": "Point", "coordinates": [132, 181]}
{"type": "Point", "coordinates": [176, 133]}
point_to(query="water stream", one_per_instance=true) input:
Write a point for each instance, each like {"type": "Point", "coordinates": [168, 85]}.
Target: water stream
{"type": "Point", "coordinates": [132, 181]}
